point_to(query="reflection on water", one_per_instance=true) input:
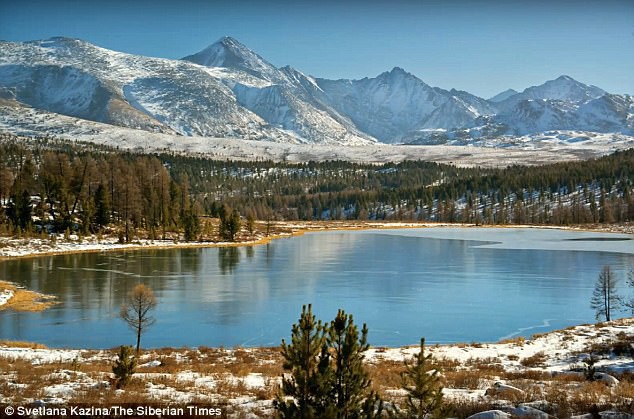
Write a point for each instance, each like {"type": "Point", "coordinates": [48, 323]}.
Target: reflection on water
{"type": "Point", "coordinates": [402, 285]}
{"type": "Point", "coordinates": [228, 259]}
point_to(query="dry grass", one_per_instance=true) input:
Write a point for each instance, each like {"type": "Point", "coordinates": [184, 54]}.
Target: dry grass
{"type": "Point", "coordinates": [25, 300]}
{"type": "Point", "coordinates": [218, 376]}
{"type": "Point", "coordinates": [517, 341]}
{"type": "Point", "coordinates": [22, 344]}
{"type": "Point", "coordinates": [534, 361]}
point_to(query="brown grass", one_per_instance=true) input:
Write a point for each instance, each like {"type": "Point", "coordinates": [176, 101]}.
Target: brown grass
{"type": "Point", "coordinates": [22, 344]}
{"type": "Point", "coordinates": [563, 395]}
{"type": "Point", "coordinates": [25, 300]}
{"type": "Point", "coordinates": [534, 361]}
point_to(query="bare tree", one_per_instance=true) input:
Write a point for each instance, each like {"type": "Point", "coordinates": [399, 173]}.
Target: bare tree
{"type": "Point", "coordinates": [136, 311]}
{"type": "Point", "coordinates": [604, 298]}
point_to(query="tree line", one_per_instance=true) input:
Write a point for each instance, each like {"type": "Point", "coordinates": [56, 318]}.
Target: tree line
{"type": "Point", "coordinates": [59, 186]}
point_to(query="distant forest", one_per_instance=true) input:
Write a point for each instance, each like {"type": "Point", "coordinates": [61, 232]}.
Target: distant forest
{"type": "Point", "coordinates": [58, 186]}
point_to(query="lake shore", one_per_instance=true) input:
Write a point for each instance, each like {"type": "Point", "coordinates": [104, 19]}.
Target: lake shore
{"type": "Point", "coordinates": [544, 372]}
{"type": "Point", "coordinates": [13, 247]}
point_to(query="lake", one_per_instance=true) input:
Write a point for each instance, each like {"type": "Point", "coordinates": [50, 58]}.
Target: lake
{"type": "Point", "coordinates": [446, 284]}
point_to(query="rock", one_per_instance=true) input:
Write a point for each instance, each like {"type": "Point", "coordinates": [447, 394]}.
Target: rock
{"type": "Point", "coordinates": [500, 388]}
{"type": "Point", "coordinates": [490, 414]}
{"type": "Point", "coordinates": [606, 378]}
{"type": "Point", "coordinates": [527, 411]}
{"type": "Point", "coordinates": [608, 414]}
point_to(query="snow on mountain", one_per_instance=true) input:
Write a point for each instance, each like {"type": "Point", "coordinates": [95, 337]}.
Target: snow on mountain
{"type": "Point", "coordinates": [462, 109]}
{"type": "Point", "coordinates": [396, 102]}
{"type": "Point", "coordinates": [503, 95]}
{"type": "Point", "coordinates": [289, 102]}
{"type": "Point", "coordinates": [536, 115]}
{"type": "Point", "coordinates": [229, 91]}
{"type": "Point", "coordinates": [563, 88]}
{"type": "Point", "coordinates": [168, 95]}
{"type": "Point", "coordinates": [609, 113]}
{"type": "Point", "coordinates": [230, 53]}
{"type": "Point", "coordinates": [78, 79]}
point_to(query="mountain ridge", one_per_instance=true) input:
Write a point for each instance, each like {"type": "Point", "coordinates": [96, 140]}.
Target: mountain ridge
{"type": "Point", "coordinates": [227, 90]}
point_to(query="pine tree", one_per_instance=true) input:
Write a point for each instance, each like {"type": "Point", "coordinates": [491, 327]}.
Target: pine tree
{"type": "Point", "coordinates": [306, 358]}
{"type": "Point", "coordinates": [424, 390]}
{"type": "Point", "coordinates": [124, 366]}
{"type": "Point", "coordinates": [102, 206]}
{"type": "Point", "coordinates": [350, 380]}
{"type": "Point", "coordinates": [229, 223]}
{"type": "Point", "coordinates": [191, 225]}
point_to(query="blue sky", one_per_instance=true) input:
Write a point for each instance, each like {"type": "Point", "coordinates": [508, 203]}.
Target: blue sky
{"type": "Point", "coordinates": [480, 46]}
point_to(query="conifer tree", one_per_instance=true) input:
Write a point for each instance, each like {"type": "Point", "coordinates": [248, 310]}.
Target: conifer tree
{"type": "Point", "coordinates": [424, 390]}
{"type": "Point", "coordinates": [350, 380]}
{"type": "Point", "coordinates": [306, 358]}
{"type": "Point", "coordinates": [229, 223]}
{"type": "Point", "coordinates": [124, 366]}
{"type": "Point", "coordinates": [102, 206]}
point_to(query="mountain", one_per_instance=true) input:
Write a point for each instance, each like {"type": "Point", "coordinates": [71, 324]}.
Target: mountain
{"type": "Point", "coordinates": [563, 104]}
{"type": "Point", "coordinates": [75, 78]}
{"type": "Point", "coordinates": [228, 91]}
{"type": "Point", "coordinates": [503, 95]}
{"type": "Point", "coordinates": [396, 102]}
{"type": "Point", "coordinates": [563, 88]}
{"type": "Point", "coordinates": [287, 98]}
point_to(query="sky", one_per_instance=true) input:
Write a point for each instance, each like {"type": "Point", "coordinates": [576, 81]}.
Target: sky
{"type": "Point", "coordinates": [481, 46]}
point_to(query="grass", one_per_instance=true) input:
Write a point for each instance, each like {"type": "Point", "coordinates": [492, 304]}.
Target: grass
{"type": "Point", "coordinates": [534, 361]}
{"type": "Point", "coordinates": [209, 375]}
{"type": "Point", "coordinates": [22, 344]}
{"type": "Point", "coordinates": [25, 300]}
{"type": "Point", "coordinates": [224, 377]}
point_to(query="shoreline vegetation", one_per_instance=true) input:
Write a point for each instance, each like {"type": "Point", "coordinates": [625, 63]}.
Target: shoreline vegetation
{"type": "Point", "coordinates": [20, 299]}
{"type": "Point", "coordinates": [16, 247]}
{"type": "Point", "coordinates": [544, 374]}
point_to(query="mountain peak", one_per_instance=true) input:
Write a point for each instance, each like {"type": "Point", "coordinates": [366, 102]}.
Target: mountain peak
{"type": "Point", "coordinates": [564, 77]}
{"type": "Point", "coordinates": [503, 95]}
{"type": "Point", "coordinates": [563, 88]}
{"type": "Point", "coordinates": [59, 42]}
{"type": "Point", "coordinates": [230, 42]}
{"type": "Point", "coordinates": [395, 72]}
{"type": "Point", "coordinates": [231, 53]}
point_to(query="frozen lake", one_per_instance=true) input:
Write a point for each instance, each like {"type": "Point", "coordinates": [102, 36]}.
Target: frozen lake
{"type": "Point", "coordinates": [446, 284]}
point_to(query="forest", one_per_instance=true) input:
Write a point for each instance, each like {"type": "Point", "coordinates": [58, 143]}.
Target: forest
{"type": "Point", "coordinates": [49, 185]}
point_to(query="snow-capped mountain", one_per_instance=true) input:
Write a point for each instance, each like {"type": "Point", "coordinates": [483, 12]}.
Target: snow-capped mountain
{"type": "Point", "coordinates": [564, 88]}
{"type": "Point", "coordinates": [503, 95]}
{"type": "Point", "coordinates": [75, 78]}
{"type": "Point", "coordinates": [287, 99]}
{"type": "Point", "coordinates": [563, 104]}
{"type": "Point", "coordinates": [226, 90]}
{"type": "Point", "coordinates": [396, 102]}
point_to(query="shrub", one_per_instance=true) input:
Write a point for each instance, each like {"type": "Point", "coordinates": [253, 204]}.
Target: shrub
{"type": "Point", "coordinates": [124, 366]}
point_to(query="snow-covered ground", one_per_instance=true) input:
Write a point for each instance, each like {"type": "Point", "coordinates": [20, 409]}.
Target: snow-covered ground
{"type": "Point", "coordinates": [562, 349]}
{"type": "Point", "coordinates": [14, 247]}
{"type": "Point", "coordinates": [247, 379]}
{"type": "Point", "coordinates": [502, 152]}
{"type": "Point", "coordinates": [5, 296]}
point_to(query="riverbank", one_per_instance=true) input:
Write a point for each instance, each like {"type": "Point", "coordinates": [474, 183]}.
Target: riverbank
{"type": "Point", "coordinates": [14, 247]}
{"type": "Point", "coordinates": [544, 372]}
